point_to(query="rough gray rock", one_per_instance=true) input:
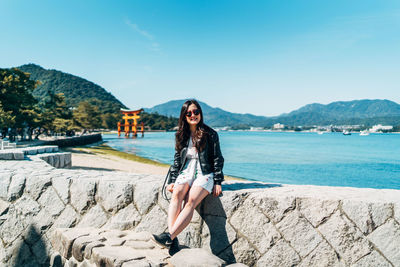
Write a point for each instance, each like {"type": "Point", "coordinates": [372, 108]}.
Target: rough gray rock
{"type": "Point", "coordinates": [12, 227]}
{"type": "Point", "coordinates": [396, 210]}
{"type": "Point", "coordinates": [114, 195]}
{"type": "Point", "coordinates": [146, 194]}
{"type": "Point", "coordinates": [115, 256]}
{"type": "Point", "coordinates": [195, 258]}
{"type": "Point", "coordinates": [80, 243]}
{"type": "Point", "coordinates": [126, 218]}
{"type": "Point", "coordinates": [367, 216]}
{"type": "Point", "coordinates": [190, 236]}
{"type": "Point", "coordinates": [279, 255]}
{"type": "Point", "coordinates": [387, 239]}
{"type": "Point", "coordinates": [37, 184]}
{"type": "Point", "coordinates": [154, 222]}
{"type": "Point", "coordinates": [16, 186]}
{"type": "Point", "coordinates": [345, 238]}
{"type": "Point", "coordinates": [4, 206]}
{"type": "Point", "coordinates": [137, 236]}
{"type": "Point", "coordinates": [63, 239]}
{"type": "Point", "coordinates": [315, 210]}
{"type": "Point", "coordinates": [95, 217]}
{"type": "Point", "coordinates": [43, 220]}
{"type": "Point", "coordinates": [224, 206]}
{"type": "Point", "coordinates": [5, 179]}
{"type": "Point", "coordinates": [2, 253]}
{"type": "Point", "coordinates": [136, 263]}
{"type": "Point", "coordinates": [244, 252]}
{"type": "Point", "coordinates": [164, 204]}
{"type": "Point", "coordinates": [299, 233]}
{"type": "Point", "coordinates": [364, 230]}
{"type": "Point", "coordinates": [89, 248]}
{"type": "Point", "coordinates": [26, 207]}
{"type": "Point", "coordinates": [260, 232]}
{"type": "Point", "coordinates": [82, 193]}
{"type": "Point", "coordinates": [237, 265]}
{"type": "Point", "coordinates": [372, 260]}
{"type": "Point", "coordinates": [61, 185]}
{"type": "Point", "coordinates": [323, 256]}
{"type": "Point", "coordinates": [274, 207]}
{"type": "Point", "coordinates": [68, 218]}
{"type": "Point", "coordinates": [50, 201]}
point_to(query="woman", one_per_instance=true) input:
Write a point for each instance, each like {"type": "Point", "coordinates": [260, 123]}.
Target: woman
{"type": "Point", "coordinates": [196, 172]}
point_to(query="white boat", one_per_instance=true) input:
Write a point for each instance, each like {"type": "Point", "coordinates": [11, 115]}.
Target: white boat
{"type": "Point", "coordinates": [364, 133]}
{"type": "Point", "coordinates": [345, 132]}
{"type": "Point", "coordinates": [319, 132]}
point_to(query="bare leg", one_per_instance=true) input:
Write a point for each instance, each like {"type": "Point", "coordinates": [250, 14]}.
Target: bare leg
{"type": "Point", "coordinates": [175, 206]}
{"type": "Point", "coordinates": [196, 195]}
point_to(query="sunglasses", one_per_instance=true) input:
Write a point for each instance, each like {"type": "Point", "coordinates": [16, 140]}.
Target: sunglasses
{"type": "Point", "coordinates": [195, 112]}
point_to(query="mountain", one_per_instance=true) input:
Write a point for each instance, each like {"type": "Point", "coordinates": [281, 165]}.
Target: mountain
{"type": "Point", "coordinates": [214, 116]}
{"type": "Point", "coordinates": [366, 112]}
{"type": "Point", "coordinates": [75, 89]}
{"type": "Point", "coordinates": [352, 109]}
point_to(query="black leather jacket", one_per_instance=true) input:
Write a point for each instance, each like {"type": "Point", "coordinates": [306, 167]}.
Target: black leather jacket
{"type": "Point", "coordinates": [211, 160]}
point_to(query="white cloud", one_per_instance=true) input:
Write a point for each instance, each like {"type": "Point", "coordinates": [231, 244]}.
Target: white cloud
{"type": "Point", "coordinates": [154, 46]}
{"type": "Point", "coordinates": [136, 28]}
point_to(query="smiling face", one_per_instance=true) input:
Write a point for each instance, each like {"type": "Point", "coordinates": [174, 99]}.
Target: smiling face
{"type": "Point", "coordinates": [193, 119]}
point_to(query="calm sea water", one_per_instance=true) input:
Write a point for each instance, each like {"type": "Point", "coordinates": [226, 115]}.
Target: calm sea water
{"type": "Point", "coordinates": [291, 158]}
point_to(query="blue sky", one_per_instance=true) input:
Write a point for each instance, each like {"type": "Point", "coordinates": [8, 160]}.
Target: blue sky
{"type": "Point", "coordinates": [259, 57]}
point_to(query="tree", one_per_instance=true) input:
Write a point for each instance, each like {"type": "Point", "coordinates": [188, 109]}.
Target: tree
{"type": "Point", "coordinates": [87, 116]}
{"type": "Point", "coordinates": [158, 122]}
{"type": "Point", "coordinates": [17, 100]}
{"type": "Point", "coordinates": [56, 115]}
{"type": "Point", "coordinates": [110, 120]}
{"type": "Point", "coordinates": [6, 118]}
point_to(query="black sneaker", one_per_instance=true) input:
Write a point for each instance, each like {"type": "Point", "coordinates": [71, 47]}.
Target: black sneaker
{"type": "Point", "coordinates": [163, 239]}
{"type": "Point", "coordinates": [174, 247]}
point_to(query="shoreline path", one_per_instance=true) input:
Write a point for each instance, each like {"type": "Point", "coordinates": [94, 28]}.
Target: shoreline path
{"type": "Point", "coordinates": [105, 159]}
{"type": "Point", "coordinates": [85, 158]}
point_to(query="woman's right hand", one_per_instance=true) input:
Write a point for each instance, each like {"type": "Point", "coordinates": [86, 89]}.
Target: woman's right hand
{"type": "Point", "coordinates": [170, 187]}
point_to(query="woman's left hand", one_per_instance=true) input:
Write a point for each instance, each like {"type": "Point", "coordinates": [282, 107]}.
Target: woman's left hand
{"type": "Point", "coordinates": [217, 190]}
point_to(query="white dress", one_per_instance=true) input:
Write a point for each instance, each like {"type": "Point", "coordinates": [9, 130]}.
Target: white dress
{"type": "Point", "coordinates": [191, 172]}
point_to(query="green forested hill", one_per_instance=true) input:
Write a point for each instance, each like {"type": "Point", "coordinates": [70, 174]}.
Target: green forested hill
{"type": "Point", "coordinates": [74, 88]}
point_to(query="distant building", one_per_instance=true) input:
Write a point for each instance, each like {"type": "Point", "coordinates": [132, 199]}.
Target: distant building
{"type": "Point", "coordinates": [380, 127]}
{"type": "Point", "coordinates": [279, 126]}
{"type": "Point", "coordinates": [256, 128]}
{"type": "Point", "coordinates": [225, 128]}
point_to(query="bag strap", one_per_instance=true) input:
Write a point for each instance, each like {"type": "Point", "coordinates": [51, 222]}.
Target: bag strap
{"type": "Point", "coordinates": [163, 190]}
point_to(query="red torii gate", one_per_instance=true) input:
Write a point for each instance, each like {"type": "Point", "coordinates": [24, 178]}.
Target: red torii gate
{"type": "Point", "coordinates": [130, 123]}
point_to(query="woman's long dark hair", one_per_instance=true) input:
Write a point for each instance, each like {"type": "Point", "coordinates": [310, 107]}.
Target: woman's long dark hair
{"type": "Point", "coordinates": [183, 134]}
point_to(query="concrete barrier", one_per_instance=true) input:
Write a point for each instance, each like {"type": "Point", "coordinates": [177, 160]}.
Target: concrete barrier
{"type": "Point", "coordinates": [75, 140]}
{"type": "Point", "coordinates": [253, 223]}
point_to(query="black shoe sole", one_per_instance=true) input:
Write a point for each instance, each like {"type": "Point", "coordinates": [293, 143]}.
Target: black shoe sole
{"type": "Point", "coordinates": [161, 244]}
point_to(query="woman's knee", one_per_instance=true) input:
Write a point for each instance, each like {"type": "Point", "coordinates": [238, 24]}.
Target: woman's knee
{"type": "Point", "coordinates": [191, 203]}
{"type": "Point", "coordinates": [179, 194]}
{"type": "Point", "coordinates": [176, 198]}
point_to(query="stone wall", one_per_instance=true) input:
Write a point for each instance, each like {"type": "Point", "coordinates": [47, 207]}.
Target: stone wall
{"type": "Point", "coordinates": [256, 224]}
{"type": "Point", "coordinates": [75, 140]}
